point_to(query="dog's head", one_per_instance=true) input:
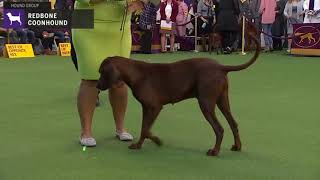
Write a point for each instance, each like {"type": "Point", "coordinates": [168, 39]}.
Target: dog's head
{"type": "Point", "coordinates": [109, 75]}
{"type": "Point", "coordinates": [9, 14]}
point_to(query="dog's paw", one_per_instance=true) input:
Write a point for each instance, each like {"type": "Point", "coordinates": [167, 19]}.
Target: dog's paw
{"type": "Point", "coordinates": [212, 152]}
{"type": "Point", "coordinates": [236, 148]}
{"type": "Point", "coordinates": [156, 140]}
{"type": "Point", "coordinates": [135, 146]}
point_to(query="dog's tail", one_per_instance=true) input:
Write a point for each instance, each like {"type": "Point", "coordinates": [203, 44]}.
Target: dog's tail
{"type": "Point", "coordinates": [229, 68]}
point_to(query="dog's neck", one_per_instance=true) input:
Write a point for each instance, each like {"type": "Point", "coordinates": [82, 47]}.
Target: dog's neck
{"type": "Point", "coordinates": [128, 70]}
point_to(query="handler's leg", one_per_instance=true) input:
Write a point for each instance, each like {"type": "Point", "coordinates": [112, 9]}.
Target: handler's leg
{"type": "Point", "coordinates": [118, 97]}
{"type": "Point", "coordinates": [86, 105]}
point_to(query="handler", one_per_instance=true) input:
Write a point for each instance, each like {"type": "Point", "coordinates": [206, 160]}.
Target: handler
{"type": "Point", "coordinates": [111, 36]}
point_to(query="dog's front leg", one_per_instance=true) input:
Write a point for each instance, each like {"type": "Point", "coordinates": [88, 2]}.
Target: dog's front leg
{"type": "Point", "coordinates": [149, 116]}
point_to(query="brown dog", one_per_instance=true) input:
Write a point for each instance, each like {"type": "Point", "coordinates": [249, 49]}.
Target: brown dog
{"type": "Point", "coordinates": [156, 84]}
{"type": "Point", "coordinates": [215, 41]}
{"type": "Point", "coordinates": [250, 29]}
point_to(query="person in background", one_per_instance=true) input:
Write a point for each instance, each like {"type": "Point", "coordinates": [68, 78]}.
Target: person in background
{"type": "Point", "coordinates": [205, 10]}
{"type": "Point", "coordinates": [182, 18]}
{"type": "Point", "coordinates": [250, 8]}
{"type": "Point", "coordinates": [193, 5]}
{"type": "Point", "coordinates": [13, 37]}
{"type": "Point", "coordinates": [64, 4]}
{"type": "Point", "coordinates": [147, 24]}
{"type": "Point", "coordinates": [279, 27]}
{"type": "Point", "coordinates": [293, 11]}
{"type": "Point", "coordinates": [216, 7]}
{"type": "Point", "coordinates": [26, 36]}
{"type": "Point", "coordinates": [312, 11]}
{"type": "Point", "coordinates": [227, 23]}
{"type": "Point", "coordinates": [60, 35]}
{"type": "Point", "coordinates": [169, 11]}
{"type": "Point", "coordinates": [192, 9]}
{"type": "Point", "coordinates": [254, 6]}
{"type": "Point", "coordinates": [53, 3]}
{"type": "Point", "coordinates": [245, 9]}
{"type": "Point", "coordinates": [47, 40]}
{"type": "Point", "coordinates": [70, 4]}
{"type": "Point", "coordinates": [60, 4]}
{"type": "Point", "coordinates": [268, 11]}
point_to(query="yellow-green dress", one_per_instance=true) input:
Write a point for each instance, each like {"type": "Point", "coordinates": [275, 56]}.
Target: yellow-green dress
{"type": "Point", "coordinates": [92, 46]}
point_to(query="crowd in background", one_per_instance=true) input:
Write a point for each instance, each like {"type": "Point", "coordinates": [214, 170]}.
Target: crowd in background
{"type": "Point", "coordinates": [274, 17]}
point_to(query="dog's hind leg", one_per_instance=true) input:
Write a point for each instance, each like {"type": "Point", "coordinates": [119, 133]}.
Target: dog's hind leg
{"type": "Point", "coordinates": [223, 104]}
{"type": "Point", "coordinates": [208, 110]}
{"type": "Point", "coordinates": [149, 116]}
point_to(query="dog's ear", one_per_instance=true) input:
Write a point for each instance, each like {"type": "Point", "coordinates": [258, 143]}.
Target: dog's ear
{"type": "Point", "coordinates": [109, 75]}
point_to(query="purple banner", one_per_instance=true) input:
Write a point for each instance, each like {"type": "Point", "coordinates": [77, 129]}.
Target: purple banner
{"type": "Point", "coordinates": [306, 36]}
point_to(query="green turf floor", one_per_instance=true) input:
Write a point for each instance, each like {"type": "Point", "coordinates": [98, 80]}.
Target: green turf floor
{"type": "Point", "coordinates": [276, 103]}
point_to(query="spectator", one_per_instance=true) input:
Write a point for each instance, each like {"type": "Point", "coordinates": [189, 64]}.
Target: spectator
{"type": "Point", "coordinates": [169, 12]}
{"type": "Point", "coordinates": [245, 9]}
{"type": "Point", "coordinates": [250, 9]}
{"type": "Point", "coordinates": [26, 36]}
{"type": "Point", "coordinates": [294, 13]}
{"type": "Point", "coordinates": [254, 6]}
{"type": "Point", "coordinates": [64, 4]}
{"type": "Point", "coordinates": [13, 37]}
{"type": "Point", "coordinates": [60, 4]}
{"type": "Point", "coordinates": [312, 8]}
{"type": "Point", "coordinates": [228, 24]}
{"type": "Point", "coordinates": [53, 3]}
{"type": "Point", "coordinates": [182, 18]}
{"type": "Point", "coordinates": [205, 10]}
{"type": "Point", "coordinates": [192, 10]}
{"type": "Point", "coordinates": [60, 35]}
{"type": "Point", "coordinates": [278, 27]}
{"type": "Point", "coordinates": [47, 38]}
{"type": "Point", "coordinates": [147, 25]}
{"type": "Point", "coordinates": [267, 9]}
{"type": "Point", "coordinates": [194, 5]}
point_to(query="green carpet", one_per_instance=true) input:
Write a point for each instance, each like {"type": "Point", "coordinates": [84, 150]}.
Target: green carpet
{"type": "Point", "coordinates": [276, 103]}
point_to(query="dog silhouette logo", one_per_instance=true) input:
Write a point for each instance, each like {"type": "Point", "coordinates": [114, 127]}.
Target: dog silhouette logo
{"type": "Point", "coordinates": [307, 36]}
{"type": "Point", "coordinates": [14, 18]}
